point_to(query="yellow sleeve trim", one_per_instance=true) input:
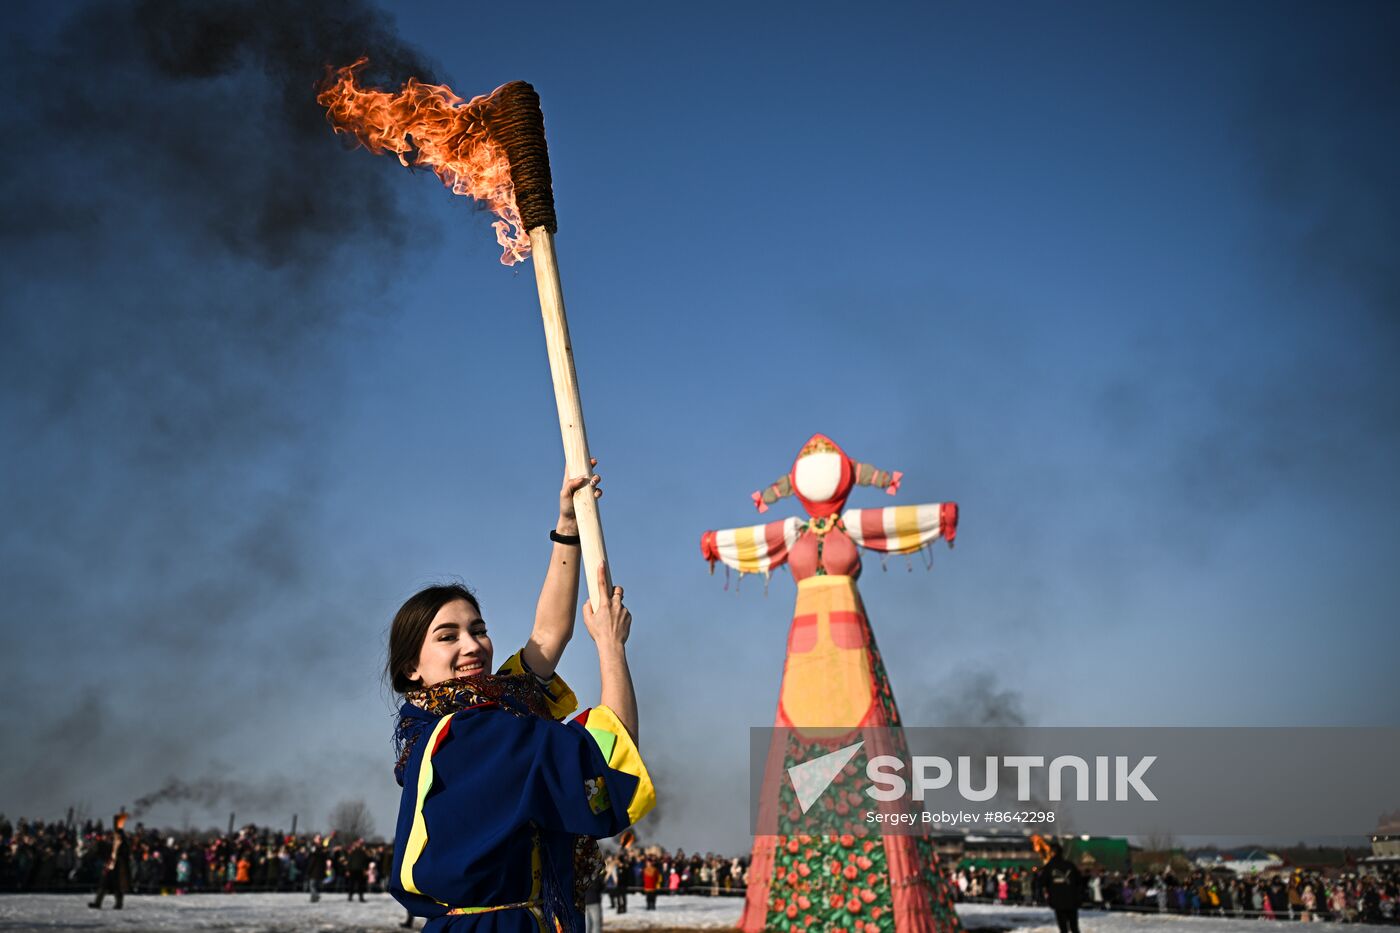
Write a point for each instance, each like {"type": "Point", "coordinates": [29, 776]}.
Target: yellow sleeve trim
{"type": "Point", "coordinates": [624, 757]}
{"type": "Point", "coordinates": [558, 696]}
{"type": "Point", "coordinates": [418, 834]}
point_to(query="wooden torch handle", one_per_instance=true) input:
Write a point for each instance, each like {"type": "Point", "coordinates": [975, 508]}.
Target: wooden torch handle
{"type": "Point", "coordinates": [566, 397]}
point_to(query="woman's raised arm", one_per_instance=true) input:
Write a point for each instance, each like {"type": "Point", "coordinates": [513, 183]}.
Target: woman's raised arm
{"type": "Point", "coordinates": [610, 625]}
{"type": "Point", "coordinates": [558, 603]}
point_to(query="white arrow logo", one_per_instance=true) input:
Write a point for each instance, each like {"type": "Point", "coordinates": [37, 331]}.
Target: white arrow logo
{"type": "Point", "coordinates": [813, 777]}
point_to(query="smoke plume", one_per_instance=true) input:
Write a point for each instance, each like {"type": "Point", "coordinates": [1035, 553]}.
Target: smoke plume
{"type": "Point", "coordinates": [971, 698]}
{"type": "Point", "coordinates": [183, 237]}
{"type": "Point", "coordinates": [211, 792]}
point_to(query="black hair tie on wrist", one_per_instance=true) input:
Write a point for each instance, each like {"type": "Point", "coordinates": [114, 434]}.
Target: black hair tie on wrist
{"type": "Point", "coordinates": [571, 540]}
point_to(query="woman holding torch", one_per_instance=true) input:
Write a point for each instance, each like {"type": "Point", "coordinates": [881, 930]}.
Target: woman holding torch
{"type": "Point", "coordinates": [501, 800]}
{"type": "Point", "coordinates": [496, 789]}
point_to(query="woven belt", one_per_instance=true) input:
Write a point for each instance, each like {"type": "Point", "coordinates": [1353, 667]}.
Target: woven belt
{"type": "Point", "coordinates": [532, 906]}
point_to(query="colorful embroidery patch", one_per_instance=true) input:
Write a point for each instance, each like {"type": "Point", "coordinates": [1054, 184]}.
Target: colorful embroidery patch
{"type": "Point", "coordinates": [597, 794]}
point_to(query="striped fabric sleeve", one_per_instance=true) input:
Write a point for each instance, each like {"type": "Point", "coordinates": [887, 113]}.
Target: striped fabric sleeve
{"type": "Point", "coordinates": [901, 529]}
{"type": "Point", "coordinates": [755, 549]}
{"type": "Point", "coordinates": [621, 754]}
{"type": "Point", "coordinates": [561, 699]}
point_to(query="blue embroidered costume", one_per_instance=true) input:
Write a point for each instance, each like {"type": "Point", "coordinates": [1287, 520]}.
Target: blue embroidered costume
{"type": "Point", "coordinates": [496, 791]}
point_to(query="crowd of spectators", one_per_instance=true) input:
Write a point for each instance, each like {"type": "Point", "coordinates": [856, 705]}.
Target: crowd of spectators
{"type": "Point", "coordinates": [60, 856]}
{"type": "Point", "coordinates": [65, 856]}
{"type": "Point", "coordinates": [1287, 894]}
{"type": "Point", "coordinates": [654, 871]}
{"type": "Point", "coordinates": [55, 857]}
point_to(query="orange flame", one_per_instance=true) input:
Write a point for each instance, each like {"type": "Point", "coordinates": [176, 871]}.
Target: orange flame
{"type": "Point", "coordinates": [430, 126]}
{"type": "Point", "coordinates": [1042, 847]}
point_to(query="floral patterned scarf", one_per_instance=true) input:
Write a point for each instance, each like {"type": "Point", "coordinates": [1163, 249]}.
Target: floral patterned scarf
{"type": "Point", "coordinates": [519, 694]}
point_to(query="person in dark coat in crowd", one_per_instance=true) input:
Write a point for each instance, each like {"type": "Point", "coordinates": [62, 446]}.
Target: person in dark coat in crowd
{"type": "Point", "coordinates": [1060, 886]}
{"type": "Point", "coordinates": [624, 875]}
{"type": "Point", "coordinates": [315, 867]}
{"type": "Point", "coordinates": [116, 866]}
{"type": "Point", "coordinates": [356, 864]}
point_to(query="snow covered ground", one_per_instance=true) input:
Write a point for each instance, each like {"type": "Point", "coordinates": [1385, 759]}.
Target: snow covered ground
{"type": "Point", "coordinates": [293, 913]}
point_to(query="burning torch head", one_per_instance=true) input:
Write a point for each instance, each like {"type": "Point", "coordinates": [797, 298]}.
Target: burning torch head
{"type": "Point", "coordinates": [490, 148]}
{"type": "Point", "coordinates": [517, 124]}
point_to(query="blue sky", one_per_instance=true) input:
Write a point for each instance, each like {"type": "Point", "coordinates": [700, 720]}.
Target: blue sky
{"type": "Point", "coordinates": [1120, 280]}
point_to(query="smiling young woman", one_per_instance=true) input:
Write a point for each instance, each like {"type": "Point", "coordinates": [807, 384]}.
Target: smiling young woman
{"type": "Point", "coordinates": [502, 801]}
{"type": "Point", "coordinates": [414, 638]}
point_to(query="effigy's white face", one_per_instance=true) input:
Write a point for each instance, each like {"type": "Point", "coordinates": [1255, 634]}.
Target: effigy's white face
{"type": "Point", "coordinates": [456, 645]}
{"type": "Point", "coordinates": [816, 476]}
